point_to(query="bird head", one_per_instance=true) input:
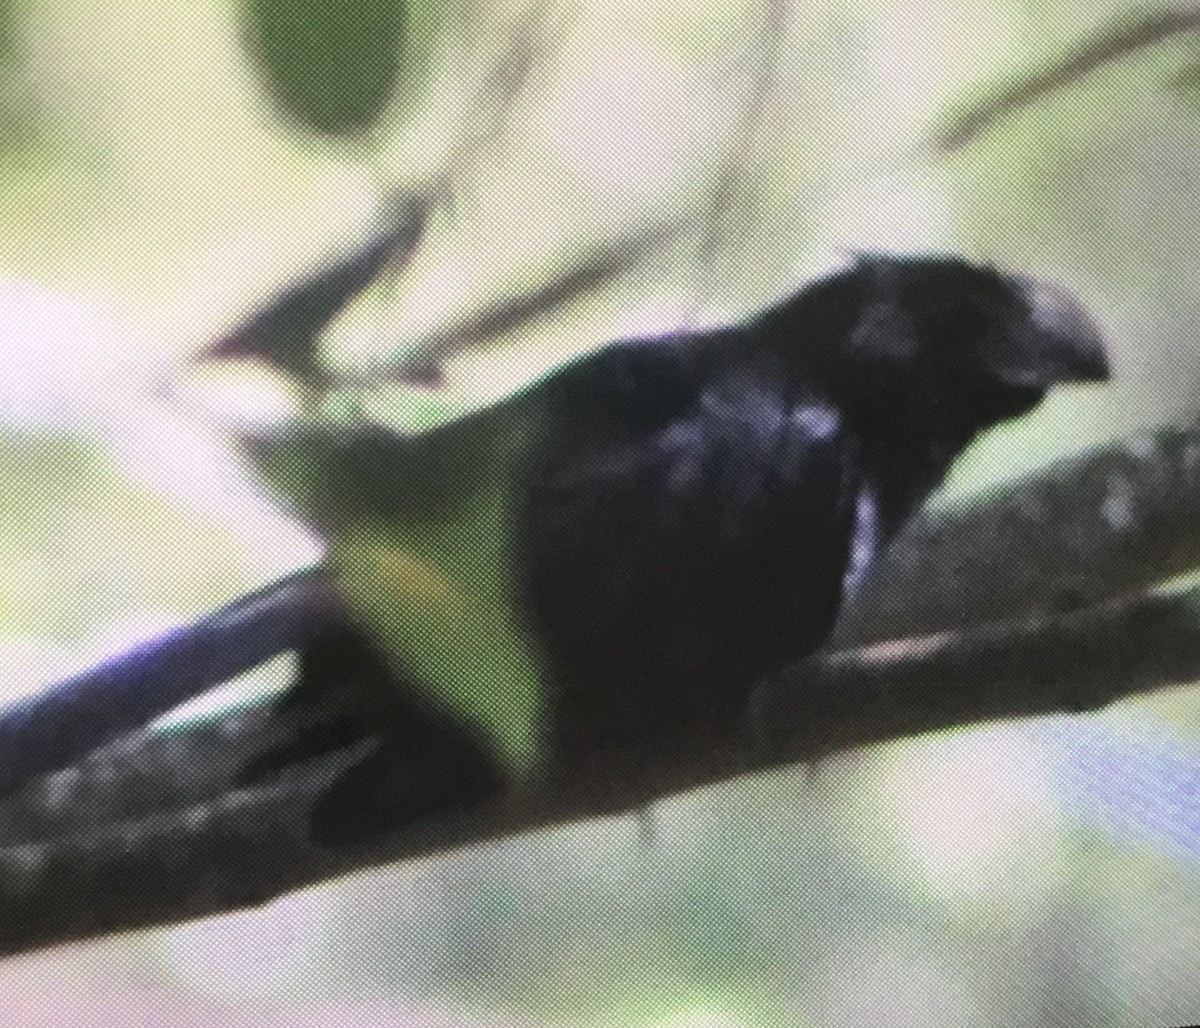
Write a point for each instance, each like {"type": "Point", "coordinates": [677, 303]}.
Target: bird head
{"type": "Point", "coordinates": [937, 344]}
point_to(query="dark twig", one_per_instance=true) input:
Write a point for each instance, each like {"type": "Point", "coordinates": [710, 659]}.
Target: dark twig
{"type": "Point", "coordinates": [1124, 515]}
{"type": "Point", "coordinates": [1109, 44]}
{"type": "Point", "coordinates": [584, 274]}
{"type": "Point", "coordinates": [87, 710]}
{"type": "Point", "coordinates": [766, 46]}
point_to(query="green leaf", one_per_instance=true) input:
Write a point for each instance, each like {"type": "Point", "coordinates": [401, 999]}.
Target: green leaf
{"type": "Point", "coordinates": [422, 544]}
{"type": "Point", "coordinates": [332, 66]}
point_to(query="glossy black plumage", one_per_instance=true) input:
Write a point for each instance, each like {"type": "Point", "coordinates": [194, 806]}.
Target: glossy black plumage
{"type": "Point", "coordinates": [696, 507]}
{"type": "Point", "coordinates": [687, 531]}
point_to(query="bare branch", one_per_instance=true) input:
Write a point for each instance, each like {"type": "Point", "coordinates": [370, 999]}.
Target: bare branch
{"type": "Point", "coordinates": [1112, 42]}
{"type": "Point", "coordinates": [586, 272]}
{"type": "Point", "coordinates": [147, 832]}
{"type": "Point", "coordinates": [766, 45]}
{"type": "Point", "coordinates": [1115, 520]}
{"type": "Point", "coordinates": [1070, 662]}
{"type": "Point", "coordinates": [86, 710]}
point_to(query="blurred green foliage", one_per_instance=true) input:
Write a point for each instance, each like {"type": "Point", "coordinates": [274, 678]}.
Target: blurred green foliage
{"type": "Point", "coordinates": [335, 66]}
{"type": "Point", "coordinates": [926, 882]}
{"type": "Point", "coordinates": [8, 31]}
{"type": "Point", "coordinates": [17, 115]}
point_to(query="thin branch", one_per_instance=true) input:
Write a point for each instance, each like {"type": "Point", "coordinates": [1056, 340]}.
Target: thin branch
{"type": "Point", "coordinates": [1115, 520]}
{"type": "Point", "coordinates": [1072, 662]}
{"type": "Point", "coordinates": [768, 43]}
{"type": "Point", "coordinates": [249, 847]}
{"type": "Point", "coordinates": [87, 710]}
{"type": "Point", "coordinates": [288, 326]}
{"type": "Point", "coordinates": [1112, 42]}
{"type": "Point", "coordinates": [102, 855]}
{"type": "Point", "coordinates": [584, 273]}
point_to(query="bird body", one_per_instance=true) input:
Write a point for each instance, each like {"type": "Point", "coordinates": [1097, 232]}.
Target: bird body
{"type": "Point", "coordinates": [618, 554]}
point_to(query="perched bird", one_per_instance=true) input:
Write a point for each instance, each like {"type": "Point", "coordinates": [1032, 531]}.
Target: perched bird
{"type": "Point", "coordinates": [617, 555]}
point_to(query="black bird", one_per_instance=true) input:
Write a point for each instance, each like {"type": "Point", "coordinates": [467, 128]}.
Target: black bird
{"type": "Point", "coordinates": [609, 560]}
{"type": "Point", "coordinates": [679, 520]}
{"type": "Point", "coordinates": [703, 502]}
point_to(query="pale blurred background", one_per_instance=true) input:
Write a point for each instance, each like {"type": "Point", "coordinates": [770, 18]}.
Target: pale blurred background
{"type": "Point", "coordinates": [159, 175]}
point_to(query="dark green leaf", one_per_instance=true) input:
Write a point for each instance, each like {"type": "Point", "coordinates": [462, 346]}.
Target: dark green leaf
{"type": "Point", "coordinates": [332, 64]}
